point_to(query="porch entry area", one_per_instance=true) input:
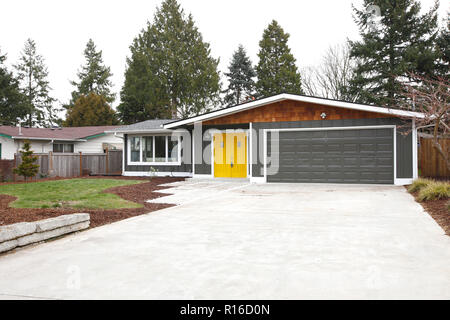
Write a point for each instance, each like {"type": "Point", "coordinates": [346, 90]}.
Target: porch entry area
{"type": "Point", "coordinates": [230, 155]}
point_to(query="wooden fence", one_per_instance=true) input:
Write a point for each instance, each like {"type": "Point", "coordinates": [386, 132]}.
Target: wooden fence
{"type": "Point", "coordinates": [431, 163]}
{"type": "Point", "coordinates": [74, 164]}
{"type": "Point", "coordinates": [6, 170]}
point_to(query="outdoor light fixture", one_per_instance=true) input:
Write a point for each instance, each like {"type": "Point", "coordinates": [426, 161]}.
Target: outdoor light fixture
{"type": "Point", "coordinates": [323, 115]}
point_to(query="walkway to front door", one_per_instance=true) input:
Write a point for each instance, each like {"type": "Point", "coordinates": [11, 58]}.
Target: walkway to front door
{"type": "Point", "coordinates": [230, 155]}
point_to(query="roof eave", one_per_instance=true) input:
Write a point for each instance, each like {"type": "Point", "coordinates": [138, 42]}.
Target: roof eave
{"type": "Point", "coordinates": [47, 139]}
{"type": "Point", "coordinates": [145, 131]}
{"type": "Point", "coordinates": [285, 96]}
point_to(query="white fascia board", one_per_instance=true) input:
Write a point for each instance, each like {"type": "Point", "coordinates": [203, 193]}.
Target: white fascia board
{"type": "Point", "coordinates": [142, 131]}
{"type": "Point", "coordinates": [47, 139]}
{"type": "Point", "coordinates": [284, 96]}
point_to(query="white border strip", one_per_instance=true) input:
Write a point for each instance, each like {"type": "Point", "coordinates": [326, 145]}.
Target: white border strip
{"type": "Point", "coordinates": [414, 151]}
{"type": "Point", "coordinates": [157, 174]}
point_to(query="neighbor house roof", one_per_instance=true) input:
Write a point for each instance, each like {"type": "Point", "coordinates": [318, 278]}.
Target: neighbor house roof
{"type": "Point", "coordinates": [153, 125]}
{"type": "Point", "coordinates": [301, 98]}
{"type": "Point", "coordinates": [70, 133]}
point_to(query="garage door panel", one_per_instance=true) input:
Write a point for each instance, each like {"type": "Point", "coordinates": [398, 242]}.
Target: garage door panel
{"type": "Point", "coordinates": [384, 162]}
{"type": "Point", "coordinates": [336, 156]}
{"type": "Point", "coordinates": [384, 147]}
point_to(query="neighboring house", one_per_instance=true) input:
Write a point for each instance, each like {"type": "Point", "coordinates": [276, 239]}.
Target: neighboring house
{"type": "Point", "coordinates": [284, 138]}
{"type": "Point", "coordinates": [58, 140]}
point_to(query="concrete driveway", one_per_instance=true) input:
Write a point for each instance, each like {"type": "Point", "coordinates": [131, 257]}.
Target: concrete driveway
{"type": "Point", "coordinates": [232, 240]}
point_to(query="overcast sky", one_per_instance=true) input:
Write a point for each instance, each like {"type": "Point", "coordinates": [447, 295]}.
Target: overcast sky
{"type": "Point", "coordinates": [62, 28]}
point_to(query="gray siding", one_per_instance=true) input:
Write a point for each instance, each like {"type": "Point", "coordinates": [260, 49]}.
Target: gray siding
{"type": "Point", "coordinates": [404, 144]}
{"type": "Point", "coordinates": [404, 155]}
{"type": "Point", "coordinates": [184, 167]}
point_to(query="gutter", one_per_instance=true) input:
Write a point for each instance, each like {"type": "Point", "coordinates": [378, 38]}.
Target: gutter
{"type": "Point", "coordinates": [95, 136]}
{"type": "Point", "coordinates": [144, 131]}
{"type": "Point", "coordinates": [115, 135]}
{"type": "Point", "coordinates": [47, 139]}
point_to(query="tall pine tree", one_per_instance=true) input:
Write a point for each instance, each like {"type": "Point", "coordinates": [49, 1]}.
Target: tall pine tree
{"type": "Point", "coordinates": [170, 72]}
{"type": "Point", "coordinates": [276, 69]}
{"type": "Point", "coordinates": [32, 74]}
{"type": "Point", "coordinates": [240, 78]}
{"type": "Point", "coordinates": [94, 76]}
{"type": "Point", "coordinates": [400, 42]}
{"type": "Point", "coordinates": [12, 101]}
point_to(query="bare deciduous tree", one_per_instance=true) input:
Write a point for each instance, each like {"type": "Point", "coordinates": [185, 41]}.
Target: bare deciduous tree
{"type": "Point", "coordinates": [432, 98]}
{"type": "Point", "coordinates": [332, 78]}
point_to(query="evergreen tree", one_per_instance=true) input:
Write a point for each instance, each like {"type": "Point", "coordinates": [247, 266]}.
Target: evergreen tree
{"type": "Point", "coordinates": [12, 106]}
{"type": "Point", "coordinates": [240, 78]}
{"type": "Point", "coordinates": [90, 110]}
{"type": "Point", "coordinates": [276, 70]}
{"type": "Point", "coordinates": [443, 48]}
{"type": "Point", "coordinates": [94, 76]}
{"type": "Point", "coordinates": [27, 168]}
{"type": "Point", "coordinates": [170, 72]}
{"type": "Point", "coordinates": [32, 74]}
{"type": "Point", "coordinates": [141, 96]}
{"type": "Point", "coordinates": [400, 42]}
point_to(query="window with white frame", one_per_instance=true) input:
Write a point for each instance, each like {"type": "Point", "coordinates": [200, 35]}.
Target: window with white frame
{"type": "Point", "coordinates": [155, 149]}
{"type": "Point", "coordinates": [63, 147]}
{"type": "Point", "coordinates": [135, 146]}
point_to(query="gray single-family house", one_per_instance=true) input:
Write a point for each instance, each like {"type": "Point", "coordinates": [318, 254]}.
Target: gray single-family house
{"type": "Point", "coordinates": [283, 138]}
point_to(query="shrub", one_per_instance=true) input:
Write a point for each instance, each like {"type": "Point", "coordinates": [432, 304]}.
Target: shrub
{"type": "Point", "coordinates": [27, 168]}
{"type": "Point", "coordinates": [419, 184]}
{"type": "Point", "coordinates": [435, 191]}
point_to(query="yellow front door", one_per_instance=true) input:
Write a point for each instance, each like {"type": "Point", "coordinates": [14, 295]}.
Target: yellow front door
{"type": "Point", "coordinates": [230, 155]}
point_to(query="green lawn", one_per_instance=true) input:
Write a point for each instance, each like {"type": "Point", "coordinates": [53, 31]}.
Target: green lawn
{"type": "Point", "coordinates": [74, 193]}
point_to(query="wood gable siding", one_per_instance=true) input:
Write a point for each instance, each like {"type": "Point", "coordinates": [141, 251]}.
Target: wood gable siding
{"type": "Point", "coordinates": [290, 110]}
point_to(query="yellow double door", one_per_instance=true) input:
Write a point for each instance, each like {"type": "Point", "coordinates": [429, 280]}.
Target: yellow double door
{"type": "Point", "coordinates": [230, 155]}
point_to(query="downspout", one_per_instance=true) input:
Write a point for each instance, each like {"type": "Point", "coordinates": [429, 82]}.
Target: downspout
{"type": "Point", "coordinates": [51, 143]}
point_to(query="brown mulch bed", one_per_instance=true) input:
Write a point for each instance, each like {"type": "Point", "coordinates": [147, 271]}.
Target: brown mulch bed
{"type": "Point", "coordinates": [438, 210]}
{"type": "Point", "coordinates": [138, 193]}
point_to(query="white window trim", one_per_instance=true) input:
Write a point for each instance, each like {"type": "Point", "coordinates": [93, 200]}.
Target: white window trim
{"type": "Point", "coordinates": [397, 181]}
{"type": "Point", "coordinates": [141, 148]}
